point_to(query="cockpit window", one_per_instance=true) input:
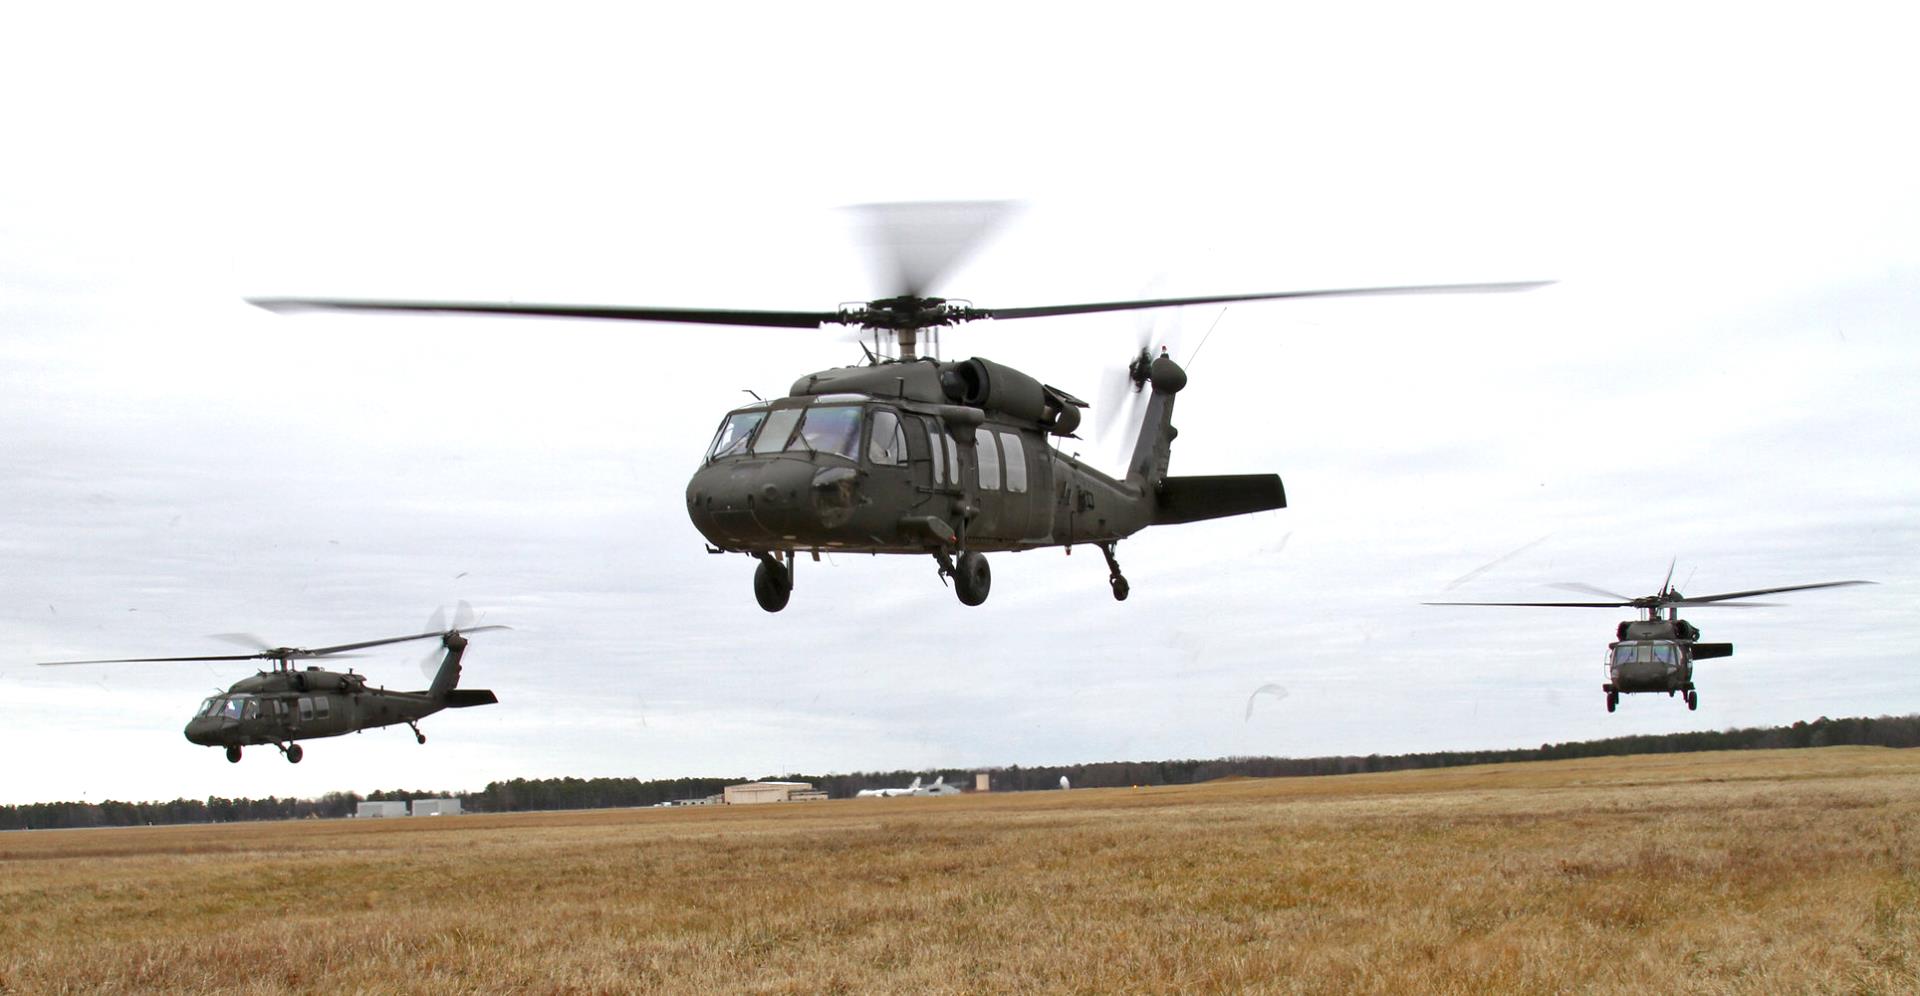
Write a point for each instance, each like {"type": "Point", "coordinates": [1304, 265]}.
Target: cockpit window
{"type": "Point", "coordinates": [888, 447]}
{"type": "Point", "coordinates": [209, 707]}
{"type": "Point", "coordinates": [830, 429]}
{"type": "Point", "coordinates": [773, 435]}
{"type": "Point", "coordinates": [234, 706]}
{"type": "Point", "coordinates": [733, 435]}
{"type": "Point", "coordinates": [1646, 653]}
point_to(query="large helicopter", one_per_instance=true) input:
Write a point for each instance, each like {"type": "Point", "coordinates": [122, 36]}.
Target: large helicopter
{"type": "Point", "coordinates": [910, 454]}
{"type": "Point", "coordinates": [1656, 652]}
{"type": "Point", "coordinates": [290, 703]}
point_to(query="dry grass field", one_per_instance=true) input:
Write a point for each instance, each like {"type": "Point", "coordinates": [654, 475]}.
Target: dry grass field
{"type": "Point", "coordinates": [1787, 871]}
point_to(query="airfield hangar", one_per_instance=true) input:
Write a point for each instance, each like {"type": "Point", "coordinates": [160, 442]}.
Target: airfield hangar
{"type": "Point", "coordinates": [756, 792]}
{"type": "Point", "coordinates": [369, 810]}
{"type": "Point", "coordinates": [436, 807]}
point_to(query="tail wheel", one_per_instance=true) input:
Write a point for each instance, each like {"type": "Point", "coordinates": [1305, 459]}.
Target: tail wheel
{"type": "Point", "coordinates": [772, 585]}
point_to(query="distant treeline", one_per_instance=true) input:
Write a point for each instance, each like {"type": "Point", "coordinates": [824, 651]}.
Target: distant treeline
{"type": "Point", "coordinates": [522, 794]}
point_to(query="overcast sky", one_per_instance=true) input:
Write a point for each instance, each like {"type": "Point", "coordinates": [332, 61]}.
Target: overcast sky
{"type": "Point", "coordinates": [1724, 374]}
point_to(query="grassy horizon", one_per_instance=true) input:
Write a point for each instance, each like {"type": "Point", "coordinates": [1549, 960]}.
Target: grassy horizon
{"type": "Point", "coordinates": [1740, 871]}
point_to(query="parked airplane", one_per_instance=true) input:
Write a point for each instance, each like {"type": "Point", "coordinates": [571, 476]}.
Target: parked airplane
{"type": "Point", "coordinates": [913, 789]}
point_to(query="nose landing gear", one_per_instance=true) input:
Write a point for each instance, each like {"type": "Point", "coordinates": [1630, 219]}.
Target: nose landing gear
{"type": "Point", "coordinates": [233, 755]}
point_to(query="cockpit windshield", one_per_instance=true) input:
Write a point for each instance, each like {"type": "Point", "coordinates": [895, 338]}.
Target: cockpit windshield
{"type": "Point", "coordinates": [734, 433]}
{"type": "Point", "coordinates": [235, 706]}
{"type": "Point", "coordinates": [1646, 653]}
{"type": "Point", "coordinates": [210, 707]}
{"type": "Point", "coordinates": [831, 429]}
{"type": "Point", "coordinates": [821, 429]}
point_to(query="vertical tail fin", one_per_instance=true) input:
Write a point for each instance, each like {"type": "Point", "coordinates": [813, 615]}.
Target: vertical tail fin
{"type": "Point", "coordinates": [448, 676]}
{"type": "Point", "coordinates": [1152, 452]}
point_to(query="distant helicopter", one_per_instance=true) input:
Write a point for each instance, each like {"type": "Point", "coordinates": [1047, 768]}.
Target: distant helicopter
{"type": "Point", "coordinates": [1656, 654]}
{"type": "Point", "coordinates": [287, 703]}
{"type": "Point", "coordinates": [912, 455]}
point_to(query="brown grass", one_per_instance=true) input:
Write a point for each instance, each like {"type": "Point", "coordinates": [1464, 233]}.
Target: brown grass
{"type": "Point", "coordinates": [1739, 872]}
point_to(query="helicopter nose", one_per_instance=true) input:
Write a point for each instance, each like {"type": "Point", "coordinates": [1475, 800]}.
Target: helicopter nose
{"type": "Point", "coordinates": [754, 502]}
{"type": "Point", "coordinates": [200, 731]}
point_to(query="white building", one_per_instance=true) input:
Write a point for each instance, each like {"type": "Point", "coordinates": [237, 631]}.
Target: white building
{"type": "Point", "coordinates": [368, 810]}
{"type": "Point", "coordinates": [436, 807]}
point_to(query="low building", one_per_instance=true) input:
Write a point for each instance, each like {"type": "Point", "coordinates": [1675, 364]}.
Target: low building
{"type": "Point", "coordinates": [368, 810]}
{"type": "Point", "coordinates": [982, 782]}
{"type": "Point", "coordinates": [754, 792]}
{"type": "Point", "coordinates": [436, 807]}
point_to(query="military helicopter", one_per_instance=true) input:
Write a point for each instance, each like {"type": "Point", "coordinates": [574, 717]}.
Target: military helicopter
{"type": "Point", "coordinates": [289, 703]}
{"type": "Point", "coordinates": [909, 454]}
{"type": "Point", "coordinates": [1656, 653]}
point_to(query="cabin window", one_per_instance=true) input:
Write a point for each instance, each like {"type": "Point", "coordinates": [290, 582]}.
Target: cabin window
{"type": "Point", "coordinates": [832, 429]}
{"type": "Point", "coordinates": [989, 459]}
{"type": "Point", "coordinates": [252, 710]}
{"type": "Point", "coordinates": [1016, 463]}
{"type": "Point", "coordinates": [953, 459]}
{"type": "Point", "coordinates": [773, 434]}
{"type": "Point", "coordinates": [280, 708]}
{"type": "Point", "coordinates": [322, 706]}
{"type": "Point", "coordinates": [731, 440]}
{"type": "Point", "coordinates": [888, 446]}
{"type": "Point", "coordinates": [306, 708]}
{"type": "Point", "coordinates": [938, 460]}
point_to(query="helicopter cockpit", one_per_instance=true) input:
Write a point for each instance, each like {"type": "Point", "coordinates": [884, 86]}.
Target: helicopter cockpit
{"type": "Point", "coordinates": [1647, 652]}
{"type": "Point", "coordinates": [832, 424]}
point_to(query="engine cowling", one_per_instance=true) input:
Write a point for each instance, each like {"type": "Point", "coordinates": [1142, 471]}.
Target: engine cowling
{"type": "Point", "coordinates": [999, 388]}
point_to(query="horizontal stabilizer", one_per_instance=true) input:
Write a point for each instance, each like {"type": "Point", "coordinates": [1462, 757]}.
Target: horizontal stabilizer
{"type": "Point", "coordinates": [460, 698]}
{"type": "Point", "coordinates": [1190, 499]}
{"type": "Point", "coordinates": [1704, 651]}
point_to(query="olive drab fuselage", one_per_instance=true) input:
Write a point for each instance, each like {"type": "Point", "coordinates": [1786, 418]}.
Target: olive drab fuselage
{"type": "Point", "coordinates": [871, 459]}
{"type": "Point", "coordinates": [290, 704]}
{"type": "Point", "coordinates": [947, 458]}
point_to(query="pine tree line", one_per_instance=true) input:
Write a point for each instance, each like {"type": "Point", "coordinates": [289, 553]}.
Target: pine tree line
{"type": "Point", "coordinates": [524, 794]}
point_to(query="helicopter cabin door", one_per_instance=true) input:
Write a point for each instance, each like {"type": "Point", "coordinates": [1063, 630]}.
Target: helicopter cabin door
{"type": "Point", "coordinates": [1005, 479]}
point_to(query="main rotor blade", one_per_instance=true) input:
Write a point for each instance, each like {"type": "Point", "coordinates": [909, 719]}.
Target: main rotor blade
{"type": "Point", "coordinates": [243, 639]}
{"type": "Point", "coordinates": [1704, 599]}
{"type": "Point", "coordinates": [1563, 605]}
{"type": "Point", "coordinates": [157, 660]}
{"type": "Point", "coordinates": [918, 243]}
{"type": "Point", "coordinates": [1174, 302]}
{"type": "Point", "coordinates": [1587, 589]}
{"type": "Point", "coordinates": [327, 651]}
{"type": "Point", "coordinates": [696, 316]}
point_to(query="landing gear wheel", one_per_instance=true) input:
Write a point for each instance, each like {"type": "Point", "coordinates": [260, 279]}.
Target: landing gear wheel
{"type": "Point", "coordinates": [420, 738]}
{"type": "Point", "coordinates": [1120, 588]}
{"type": "Point", "coordinates": [1693, 701]}
{"type": "Point", "coordinates": [972, 579]}
{"type": "Point", "coordinates": [294, 754]}
{"type": "Point", "coordinates": [1613, 701]}
{"type": "Point", "coordinates": [772, 585]}
{"type": "Point", "coordinates": [233, 755]}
